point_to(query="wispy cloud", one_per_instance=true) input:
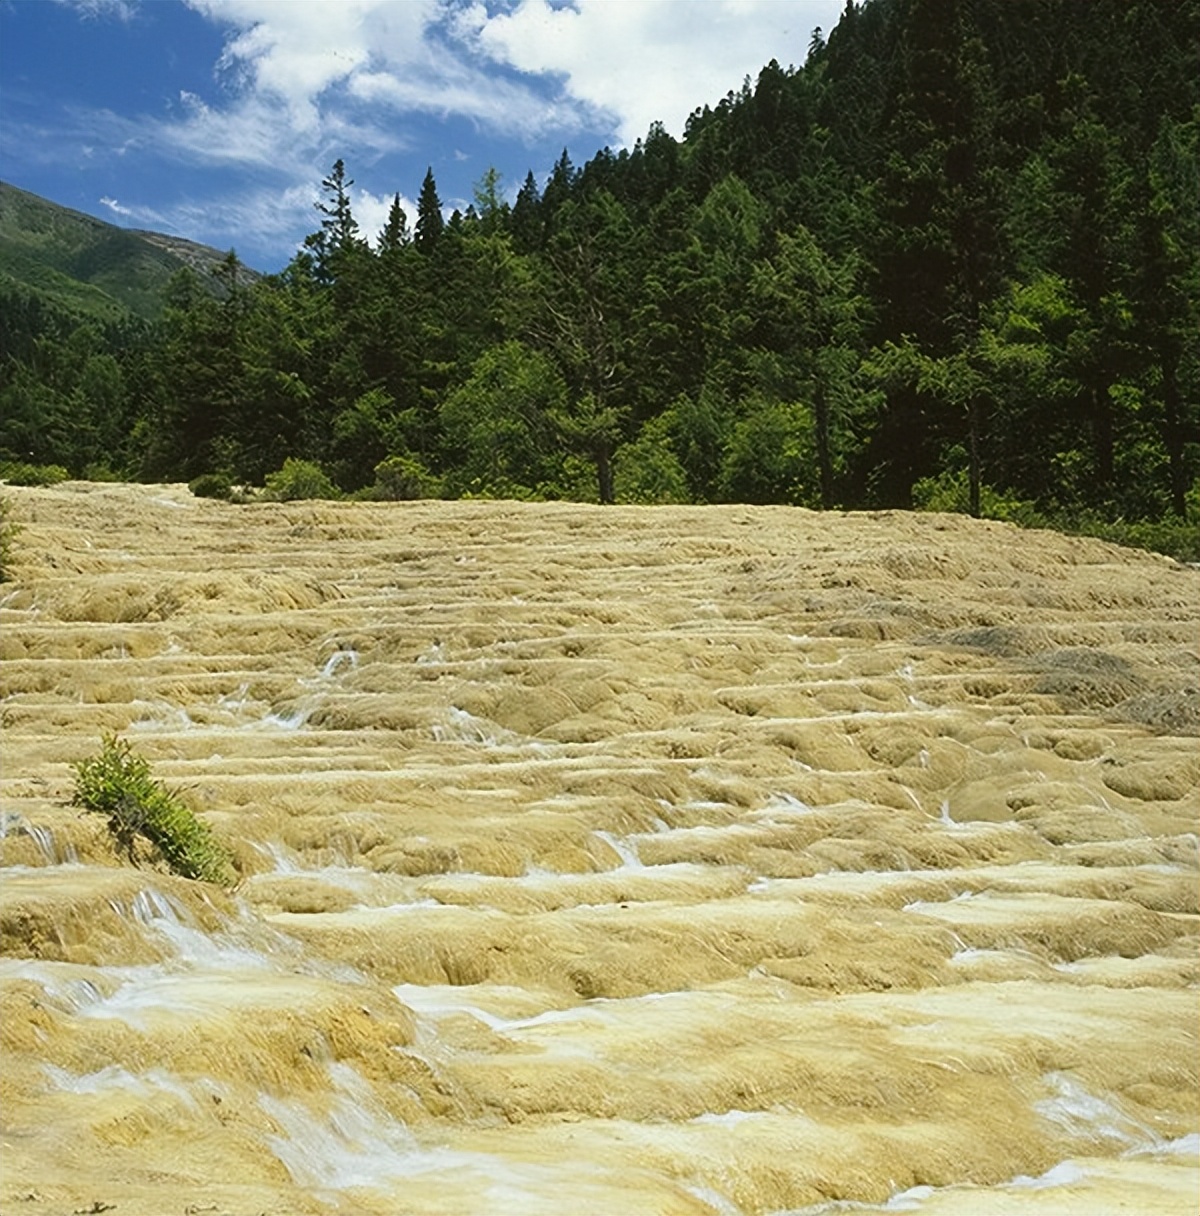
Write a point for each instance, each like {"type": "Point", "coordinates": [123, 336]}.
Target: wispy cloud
{"type": "Point", "coordinates": [501, 105]}
{"type": "Point", "coordinates": [122, 10]}
{"type": "Point", "coordinates": [304, 61]}
{"type": "Point", "coordinates": [645, 61]}
{"type": "Point", "coordinates": [117, 208]}
{"type": "Point", "coordinates": [259, 132]}
{"type": "Point", "coordinates": [299, 83]}
{"type": "Point", "coordinates": [257, 216]}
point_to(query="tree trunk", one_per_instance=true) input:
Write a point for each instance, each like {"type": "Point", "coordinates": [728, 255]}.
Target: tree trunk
{"type": "Point", "coordinates": [824, 456]}
{"type": "Point", "coordinates": [1173, 433]}
{"type": "Point", "coordinates": [973, 478]}
{"type": "Point", "coordinates": [604, 475]}
{"type": "Point", "coordinates": [1102, 435]}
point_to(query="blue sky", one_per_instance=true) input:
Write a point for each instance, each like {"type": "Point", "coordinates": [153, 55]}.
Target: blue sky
{"type": "Point", "coordinates": [217, 119]}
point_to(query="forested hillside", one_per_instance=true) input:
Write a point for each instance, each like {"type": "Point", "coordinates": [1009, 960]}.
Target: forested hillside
{"type": "Point", "coordinates": [78, 264]}
{"type": "Point", "coordinates": [950, 261]}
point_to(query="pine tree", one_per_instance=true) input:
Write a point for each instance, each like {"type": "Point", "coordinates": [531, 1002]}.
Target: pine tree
{"type": "Point", "coordinates": [394, 234]}
{"type": "Point", "coordinates": [492, 211]}
{"type": "Point", "coordinates": [525, 222]}
{"type": "Point", "coordinates": [430, 223]}
{"type": "Point", "coordinates": [338, 234]}
{"type": "Point", "coordinates": [813, 321]}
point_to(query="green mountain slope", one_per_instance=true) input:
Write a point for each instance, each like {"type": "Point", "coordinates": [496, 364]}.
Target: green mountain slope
{"type": "Point", "coordinates": [82, 264]}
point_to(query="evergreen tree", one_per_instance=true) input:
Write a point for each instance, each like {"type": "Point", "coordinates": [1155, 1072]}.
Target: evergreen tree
{"type": "Point", "coordinates": [814, 322]}
{"type": "Point", "coordinates": [587, 289]}
{"type": "Point", "coordinates": [338, 235]}
{"type": "Point", "coordinates": [1167, 289]}
{"type": "Point", "coordinates": [491, 210]}
{"type": "Point", "coordinates": [525, 221]}
{"type": "Point", "coordinates": [430, 222]}
{"type": "Point", "coordinates": [393, 237]}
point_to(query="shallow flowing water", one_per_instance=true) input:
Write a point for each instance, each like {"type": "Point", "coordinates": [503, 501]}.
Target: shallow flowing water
{"type": "Point", "coordinates": [709, 861]}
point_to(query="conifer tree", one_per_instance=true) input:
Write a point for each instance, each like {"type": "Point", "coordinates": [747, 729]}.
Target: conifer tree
{"type": "Point", "coordinates": [430, 222]}
{"type": "Point", "coordinates": [338, 234]}
{"type": "Point", "coordinates": [525, 222]}
{"type": "Point", "coordinates": [394, 234]}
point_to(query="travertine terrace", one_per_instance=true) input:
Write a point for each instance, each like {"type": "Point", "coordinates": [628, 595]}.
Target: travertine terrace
{"type": "Point", "coordinates": [618, 861]}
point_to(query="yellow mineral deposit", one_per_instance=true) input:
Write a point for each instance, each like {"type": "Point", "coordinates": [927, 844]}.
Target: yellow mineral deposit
{"type": "Point", "coordinates": [604, 861]}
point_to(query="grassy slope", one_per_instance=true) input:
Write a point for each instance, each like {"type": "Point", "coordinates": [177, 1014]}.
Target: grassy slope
{"type": "Point", "coordinates": [85, 265]}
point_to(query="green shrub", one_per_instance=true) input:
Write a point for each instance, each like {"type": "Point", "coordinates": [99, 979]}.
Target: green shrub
{"type": "Point", "coordinates": [98, 470]}
{"type": "Point", "coordinates": [769, 456]}
{"type": "Point", "coordinates": [8, 532]}
{"type": "Point", "coordinates": [403, 478]}
{"type": "Point", "coordinates": [117, 783]}
{"type": "Point", "coordinates": [951, 491]}
{"type": "Point", "coordinates": [17, 473]}
{"type": "Point", "coordinates": [212, 485]}
{"type": "Point", "coordinates": [299, 479]}
{"type": "Point", "coordinates": [648, 471]}
{"type": "Point", "coordinates": [1177, 538]}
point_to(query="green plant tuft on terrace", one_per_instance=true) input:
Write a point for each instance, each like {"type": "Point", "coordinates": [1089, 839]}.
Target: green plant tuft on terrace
{"type": "Point", "coordinates": [117, 783]}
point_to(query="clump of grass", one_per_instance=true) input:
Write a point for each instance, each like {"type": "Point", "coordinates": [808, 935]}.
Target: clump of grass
{"type": "Point", "coordinates": [118, 783]}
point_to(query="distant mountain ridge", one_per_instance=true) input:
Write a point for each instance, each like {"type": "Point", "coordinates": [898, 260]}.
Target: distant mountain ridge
{"type": "Point", "coordinates": [85, 265]}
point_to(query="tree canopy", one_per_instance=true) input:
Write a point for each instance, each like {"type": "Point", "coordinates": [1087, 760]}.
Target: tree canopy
{"type": "Point", "coordinates": [957, 246]}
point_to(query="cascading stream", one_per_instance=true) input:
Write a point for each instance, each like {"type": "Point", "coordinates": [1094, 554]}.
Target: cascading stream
{"type": "Point", "coordinates": [731, 860]}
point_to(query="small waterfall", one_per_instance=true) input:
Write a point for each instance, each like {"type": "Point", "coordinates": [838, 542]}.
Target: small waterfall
{"type": "Point", "coordinates": [339, 659]}
{"type": "Point", "coordinates": [435, 655]}
{"type": "Point", "coordinates": [1083, 1114]}
{"type": "Point", "coordinates": [625, 849]}
{"type": "Point", "coordinates": [463, 727]}
{"type": "Point", "coordinates": [49, 847]}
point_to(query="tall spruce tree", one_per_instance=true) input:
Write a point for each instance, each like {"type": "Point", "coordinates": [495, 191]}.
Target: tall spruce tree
{"type": "Point", "coordinates": [430, 222]}
{"type": "Point", "coordinates": [394, 234]}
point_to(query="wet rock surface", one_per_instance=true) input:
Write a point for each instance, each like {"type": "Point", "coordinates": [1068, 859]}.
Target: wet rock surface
{"type": "Point", "coordinates": [706, 860]}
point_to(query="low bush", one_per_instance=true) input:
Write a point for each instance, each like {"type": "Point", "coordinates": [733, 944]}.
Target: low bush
{"type": "Point", "coordinates": [212, 485]}
{"type": "Point", "coordinates": [1177, 538]}
{"type": "Point", "coordinates": [98, 470]}
{"type": "Point", "coordinates": [950, 491]}
{"type": "Point", "coordinates": [18, 473]}
{"type": "Point", "coordinates": [117, 783]}
{"type": "Point", "coordinates": [648, 471]}
{"type": "Point", "coordinates": [299, 479]}
{"type": "Point", "coordinates": [400, 478]}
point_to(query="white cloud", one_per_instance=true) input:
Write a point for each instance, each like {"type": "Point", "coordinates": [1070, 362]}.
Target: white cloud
{"type": "Point", "coordinates": [257, 132]}
{"type": "Point", "coordinates": [117, 208]}
{"type": "Point", "coordinates": [625, 64]}
{"type": "Point", "coordinates": [649, 60]}
{"type": "Point", "coordinates": [304, 60]}
{"type": "Point", "coordinates": [258, 216]}
{"type": "Point", "coordinates": [301, 82]}
{"type": "Point", "coordinates": [372, 210]}
{"type": "Point", "coordinates": [304, 78]}
{"type": "Point", "coordinates": [122, 10]}
{"type": "Point", "coordinates": [499, 104]}
{"type": "Point", "coordinates": [292, 53]}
